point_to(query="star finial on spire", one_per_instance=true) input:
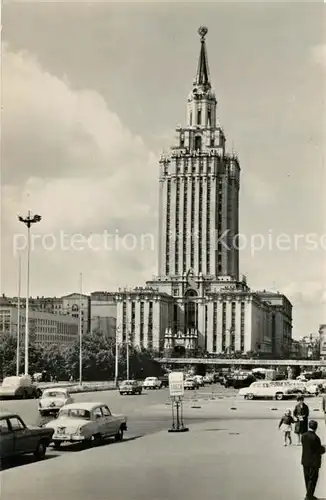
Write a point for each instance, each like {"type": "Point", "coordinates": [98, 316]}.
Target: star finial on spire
{"type": "Point", "coordinates": [202, 32]}
{"type": "Point", "coordinates": [202, 77]}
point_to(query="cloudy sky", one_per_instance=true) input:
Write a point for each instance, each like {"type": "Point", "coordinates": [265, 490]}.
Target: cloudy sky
{"type": "Point", "coordinates": [92, 94]}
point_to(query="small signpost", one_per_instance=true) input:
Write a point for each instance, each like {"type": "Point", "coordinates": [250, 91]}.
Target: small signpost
{"type": "Point", "coordinates": [176, 388]}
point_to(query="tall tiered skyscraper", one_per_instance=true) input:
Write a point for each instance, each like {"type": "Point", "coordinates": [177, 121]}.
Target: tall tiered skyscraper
{"type": "Point", "coordinates": [199, 190]}
{"type": "Point", "coordinates": [197, 301]}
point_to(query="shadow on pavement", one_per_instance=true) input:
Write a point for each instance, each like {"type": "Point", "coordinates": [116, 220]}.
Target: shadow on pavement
{"type": "Point", "coordinates": [214, 430]}
{"type": "Point", "coordinates": [22, 460]}
{"type": "Point", "coordinates": [107, 442]}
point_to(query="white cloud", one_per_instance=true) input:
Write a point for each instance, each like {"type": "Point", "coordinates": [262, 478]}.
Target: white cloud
{"type": "Point", "coordinates": [67, 157]}
{"type": "Point", "coordinates": [319, 55]}
{"type": "Point", "coordinates": [306, 292]}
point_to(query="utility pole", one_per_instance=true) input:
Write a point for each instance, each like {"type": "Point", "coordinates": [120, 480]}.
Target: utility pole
{"type": "Point", "coordinates": [116, 373]}
{"type": "Point", "coordinates": [127, 354]}
{"type": "Point", "coordinates": [80, 332]}
{"type": "Point", "coordinates": [28, 221]}
{"type": "Point", "coordinates": [18, 316]}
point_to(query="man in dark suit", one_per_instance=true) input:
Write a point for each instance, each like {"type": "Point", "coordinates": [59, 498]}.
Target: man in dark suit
{"type": "Point", "coordinates": [312, 450]}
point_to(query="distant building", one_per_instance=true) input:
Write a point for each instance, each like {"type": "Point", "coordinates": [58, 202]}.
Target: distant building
{"type": "Point", "coordinates": [46, 328]}
{"type": "Point", "coordinates": [103, 308]}
{"type": "Point", "coordinates": [72, 303]}
{"type": "Point", "coordinates": [67, 305]}
{"type": "Point", "coordinates": [322, 342]}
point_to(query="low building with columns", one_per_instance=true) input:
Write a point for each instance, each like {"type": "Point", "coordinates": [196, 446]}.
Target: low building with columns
{"type": "Point", "coordinates": [197, 301]}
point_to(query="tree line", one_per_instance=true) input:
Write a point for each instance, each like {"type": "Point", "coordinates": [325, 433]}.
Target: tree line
{"type": "Point", "coordinates": [62, 362]}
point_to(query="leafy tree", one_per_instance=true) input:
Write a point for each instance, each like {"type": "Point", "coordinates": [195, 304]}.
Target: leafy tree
{"type": "Point", "coordinates": [54, 361]}
{"type": "Point", "coordinates": [8, 349]}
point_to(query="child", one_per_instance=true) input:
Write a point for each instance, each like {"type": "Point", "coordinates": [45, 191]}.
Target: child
{"type": "Point", "coordinates": [286, 426]}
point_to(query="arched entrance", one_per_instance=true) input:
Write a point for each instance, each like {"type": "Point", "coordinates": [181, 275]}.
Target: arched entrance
{"type": "Point", "coordinates": [191, 310]}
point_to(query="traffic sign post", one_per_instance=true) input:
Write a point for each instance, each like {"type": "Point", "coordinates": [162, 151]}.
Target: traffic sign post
{"type": "Point", "coordinates": [176, 388]}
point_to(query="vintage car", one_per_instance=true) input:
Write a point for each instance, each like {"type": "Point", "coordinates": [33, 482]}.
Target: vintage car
{"type": "Point", "coordinates": [267, 389]}
{"type": "Point", "coordinates": [86, 423]}
{"type": "Point", "coordinates": [209, 379]}
{"type": "Point", "coordinates": [200, 379]}
{"type": "Point", "coordinates": [313, 388]}
{"type": "Point", "coordinates": [16, 438]}
{"type": "Point", "coordinates": [164, 381]}
{"type": "Point", "coordinates": [19, 387]}
{"type": "Point", "coordinates": [190, 384]}
{"type": "Point", "coordinates": [152, 383]}
{"type": "Point", "coordinates": [243, 379]}
{"type": "Point", "coordinates": [52, 400]}
{"type": "Point", "coordinates": [130, 387]}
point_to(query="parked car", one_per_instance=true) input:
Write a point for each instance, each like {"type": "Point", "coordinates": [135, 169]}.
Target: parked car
{"type": "Point", "coordinates": [243, 380]}
{"type": "Point", "coordinates": [20, 387]}
{"type": "Point", "coordinates": [130, 387]}
{"type": "Point", "coordinates": [164, 380]}
{"type": "Point", "coordinates": [209, 379]}
{"type": "Point", "coordinates": [16, 438]}
{"type": "Point", "coordinates": [260, 390]}
{"type": "Point", "coordinates": [312, 388]}
{"type": "Point", "coordinates": [227, 380]}
{"type": "Point", "coordinates": [200, 380]}
{"type": "Point", "coordinates": [321, 384]}
{"type": "Point", "coordinates": [86, 423]}
{"type": "Point", "coordinates": [191, 384]}
{"type": "Point", "coordinates": [52, 400]}
{"type": "Point", "coordinates": [152, 383]}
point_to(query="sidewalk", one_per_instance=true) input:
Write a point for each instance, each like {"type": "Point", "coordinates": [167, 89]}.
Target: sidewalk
{"type": "Point", "coordinates": [225, 460]}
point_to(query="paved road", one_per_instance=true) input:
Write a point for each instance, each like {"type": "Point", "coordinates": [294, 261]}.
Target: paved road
{"type": "Point", "coordinates": [151, 412]}
{"type": "Point", "coordinates": [225, 460]}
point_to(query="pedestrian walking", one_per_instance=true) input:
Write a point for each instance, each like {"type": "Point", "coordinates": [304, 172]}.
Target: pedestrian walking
{"type": "Point", "coordinates": [301, 415]}
{"type": "Point", "coordinates": [312, 450]}
{"type": "Point", "coordinates": [285, 426]}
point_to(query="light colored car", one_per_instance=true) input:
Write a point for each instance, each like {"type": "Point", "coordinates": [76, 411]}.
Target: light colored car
{"type": "Point", "coordinates": [19, 387]}
{"type": "Point", "coordinates": [299, 387]}
{"type": "Point", "coordinates": [312, 388]}
{"type": "Point", "coordinates": [152, 383]}
{"type": "Point", "coordinates": [191, 384]}
{"type": "Point", "coordinates": [208, 379]}
{"type": "Point", "coordinates": [260, 390]}
{"type": "Point", "coordinates": [130, 387]}
{"type": "Point", "coordinates": [200, 379]}
{"type": "Point", "coordinates": [87, 423]}
{"type": "Point", "coordinates": [52, 400]}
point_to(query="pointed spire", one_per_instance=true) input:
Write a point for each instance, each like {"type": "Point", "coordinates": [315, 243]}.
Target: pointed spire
{"type": "Point", "coordinates": [202, 77]}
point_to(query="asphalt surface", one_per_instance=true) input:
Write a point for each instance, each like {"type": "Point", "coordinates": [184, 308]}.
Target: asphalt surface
{"type": "Point", "coordinates": [142, 420]}
{"type": "Point", "coordinates": [150, 412]}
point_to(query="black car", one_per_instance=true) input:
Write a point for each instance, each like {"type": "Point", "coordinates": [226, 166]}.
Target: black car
{"type": "Point", "coordinates": [17, 438]}
{"type": "Point", "coordinates": [241, 381]}
{"type": "Point", "coordinates": [165, 380]}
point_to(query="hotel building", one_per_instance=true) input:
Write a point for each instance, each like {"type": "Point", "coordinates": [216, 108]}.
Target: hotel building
{"type": "Point", "coordinates": [198, 301]}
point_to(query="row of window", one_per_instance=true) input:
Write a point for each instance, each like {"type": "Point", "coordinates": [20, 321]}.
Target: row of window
{"type": "Point", "coordinates": [192, 230]}
{"type": "Point", "coordinates": [231, 331]}
{"type": "Point", "coordinates": [125, 331]}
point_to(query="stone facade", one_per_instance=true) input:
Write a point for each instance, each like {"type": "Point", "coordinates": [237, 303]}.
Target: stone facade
{"type": "Point", "coordinates": [47, 328]}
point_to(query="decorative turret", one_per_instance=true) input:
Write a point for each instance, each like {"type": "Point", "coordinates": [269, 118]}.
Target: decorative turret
{"type": "Point", "coordinates": [202, 101]}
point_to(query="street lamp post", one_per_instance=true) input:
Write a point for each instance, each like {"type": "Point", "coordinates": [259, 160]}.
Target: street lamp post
{"type": "Point", "coordinates": [28, 221]}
